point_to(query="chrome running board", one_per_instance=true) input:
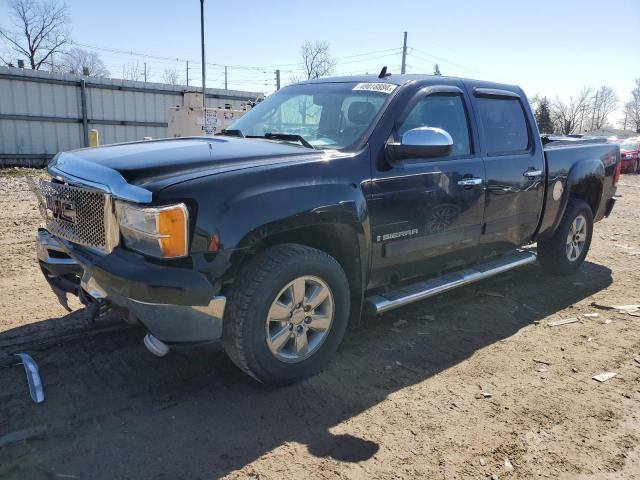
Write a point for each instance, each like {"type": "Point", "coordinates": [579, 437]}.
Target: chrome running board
{"type": "Point", "coordinates": [401, 296]}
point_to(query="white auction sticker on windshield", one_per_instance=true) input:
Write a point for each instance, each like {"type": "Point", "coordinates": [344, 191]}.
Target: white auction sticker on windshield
{"type": "Point", "coordinates": [375, 87]}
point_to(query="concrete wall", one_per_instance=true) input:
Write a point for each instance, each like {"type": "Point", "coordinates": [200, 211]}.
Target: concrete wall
{"type": "Point", "coordinates": [42, 113]}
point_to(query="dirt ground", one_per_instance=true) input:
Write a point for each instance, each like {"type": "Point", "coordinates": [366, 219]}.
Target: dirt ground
{"type": "Point", "coordinates": [471, 384]}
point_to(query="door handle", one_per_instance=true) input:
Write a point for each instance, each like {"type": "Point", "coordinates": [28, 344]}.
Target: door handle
{"type": "Point", "coordinates": [533, 173]}
{"type": "Point", "coordinates": [468, 182]}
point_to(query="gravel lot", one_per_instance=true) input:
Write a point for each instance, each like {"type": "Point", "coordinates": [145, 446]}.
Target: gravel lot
{"type": "Point", "coordinates": [471, 384]}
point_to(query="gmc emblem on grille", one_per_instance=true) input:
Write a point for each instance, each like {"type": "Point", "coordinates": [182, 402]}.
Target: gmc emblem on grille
{"type": "Point", "coordinates": [62, 209]}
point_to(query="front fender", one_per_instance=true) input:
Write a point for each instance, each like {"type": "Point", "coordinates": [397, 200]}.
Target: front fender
{"type": "Point", "coordinates": [343, 206]}
{"type": "Point", "coordinates": [241, 209]}
{"type": "Point", "coordinates": [281, 211]}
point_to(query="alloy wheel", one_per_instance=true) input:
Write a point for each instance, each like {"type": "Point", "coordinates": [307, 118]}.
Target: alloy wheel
{"type": "Point", "coordinates": [299, 319]}
{"type": "Point", "coordinates": [576, 238]}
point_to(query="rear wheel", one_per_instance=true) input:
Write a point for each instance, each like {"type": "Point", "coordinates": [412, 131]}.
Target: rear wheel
{"type": "Point", "coordinates": [567, 249]}
{"type": "Point", "coordinates": [287, 314]}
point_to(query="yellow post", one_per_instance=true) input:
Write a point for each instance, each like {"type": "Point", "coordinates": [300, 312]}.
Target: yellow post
{"type": "Point", "coordinates": [94, 138]}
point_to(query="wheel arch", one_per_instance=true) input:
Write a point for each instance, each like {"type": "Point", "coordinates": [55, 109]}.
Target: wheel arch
{"type": "Point", "coordinates": [345, 242]}
{"type": "Point", "coordinates": [588, 189]}
{"type": "Point", "coordinates": [584, 181]}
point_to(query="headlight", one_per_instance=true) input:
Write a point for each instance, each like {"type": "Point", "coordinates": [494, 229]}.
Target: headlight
{"type": "Point", "coordinates": [156, 231]}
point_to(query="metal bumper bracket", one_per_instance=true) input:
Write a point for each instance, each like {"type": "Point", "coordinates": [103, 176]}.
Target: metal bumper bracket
{"type": "Point", "coordinates": [33, 376]}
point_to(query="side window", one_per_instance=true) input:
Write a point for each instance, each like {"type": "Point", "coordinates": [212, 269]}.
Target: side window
{"type": "Point", "coordinates": [442, 111]}
{"type": "Point", "coordinates": [504, 124]}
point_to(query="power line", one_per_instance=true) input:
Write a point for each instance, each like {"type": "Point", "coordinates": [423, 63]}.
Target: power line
{"type": "Point", "coordinates": [371, 70]}
{"type": "Point", "coordinates": [371, 58]}
{"type": "Point", "coordinates": [337, 59]}
{"type": "Point", "coordinates": [267, 69]}
{"type": "Point", "coordinates": [253, 76]}
{"type": "Point", "coordinates": [413, 67]}
{"type": "Point", "coordinates": [246, 67]}
{"type": "Point", "coordinates": [443, 60]}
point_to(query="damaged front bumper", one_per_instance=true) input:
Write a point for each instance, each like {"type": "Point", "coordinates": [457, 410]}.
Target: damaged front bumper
{"type": "Point", "coordinates": [175, 305]}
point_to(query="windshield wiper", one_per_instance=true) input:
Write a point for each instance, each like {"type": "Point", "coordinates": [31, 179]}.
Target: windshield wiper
{"type": "Point", "coordinates": [291, 137]}
{"type": "Point", "coordinates": [231, 132]}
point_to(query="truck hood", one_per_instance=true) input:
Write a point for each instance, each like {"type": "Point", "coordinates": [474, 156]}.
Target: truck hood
{"type": "Point", "coordinates": [156, 164]}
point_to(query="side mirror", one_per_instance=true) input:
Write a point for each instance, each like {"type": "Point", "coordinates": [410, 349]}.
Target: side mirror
{"type": "Point", "coordinates": [422, 142]}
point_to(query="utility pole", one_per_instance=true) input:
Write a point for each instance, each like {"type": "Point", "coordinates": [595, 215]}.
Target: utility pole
{"type": "Point", "coordinates": [593, 113]}
{"type": "Point", "coordinates": [145, 72]}
{"type": "Point", "coordinates": [225, 77]}
{"type": "Point", "coordinates": [278, 79]}
{"type": "Point", "coordinates": [403, 69]}
{"type": "Point", "coordinates": [187, 73]}
{"type": "Point", "coordinates": [204, 75]}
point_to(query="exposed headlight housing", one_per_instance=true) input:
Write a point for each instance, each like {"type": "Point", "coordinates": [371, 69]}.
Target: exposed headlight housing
{"type": "Point", "coordinates": [157, 231]}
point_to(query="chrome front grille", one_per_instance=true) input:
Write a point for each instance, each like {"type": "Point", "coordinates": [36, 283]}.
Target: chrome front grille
{"type": "Point", "coordinates": [79, 215]}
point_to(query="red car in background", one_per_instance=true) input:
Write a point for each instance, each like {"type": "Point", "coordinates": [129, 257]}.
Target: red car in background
{"type": "Point", "coordinates": [630, 153]}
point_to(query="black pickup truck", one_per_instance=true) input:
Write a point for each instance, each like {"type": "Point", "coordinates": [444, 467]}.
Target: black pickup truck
{"type": "Point", "coordinates": [331, 196]}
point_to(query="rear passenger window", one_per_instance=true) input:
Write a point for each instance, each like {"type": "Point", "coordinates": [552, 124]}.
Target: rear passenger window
{"type": "Point", "coordinates": [442, 111]}
{"type": "Point", "coordinates": [504, 124]}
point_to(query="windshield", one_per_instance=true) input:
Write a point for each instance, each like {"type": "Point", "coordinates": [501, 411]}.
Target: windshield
{"type": "Point", "coordinates": [629, 146]}
{"type": "Point", "coordinates": [323, 115]}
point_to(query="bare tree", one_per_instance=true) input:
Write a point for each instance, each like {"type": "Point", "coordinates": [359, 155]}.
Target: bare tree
{"type": "Point", "coordinates": [170, 76]}
{"type": "Point", "coordinates": [317, 61]}
{"type": "Point", "coordinates": [5, 55]}
{"type": "Point", "coordinates": [133, 71]}
{"type": "Point", "coordinates": [570, 117]}
{"type": "Point", "coordinates": [632, 108]}
{"type": "Point", "coordinates": [534, 101]}
{"type": "Point", "coordinates": [40, 29]}
{"type": "Point", "coordinates": [81, 61]}
{"type": "Point", "coordinates": [604, 104]}
{"type": "Point", "coordinates": [295, 78]}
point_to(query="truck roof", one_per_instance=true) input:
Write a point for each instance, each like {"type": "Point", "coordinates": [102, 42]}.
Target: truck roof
{"type": "Point", "coordinates": [399, 79]}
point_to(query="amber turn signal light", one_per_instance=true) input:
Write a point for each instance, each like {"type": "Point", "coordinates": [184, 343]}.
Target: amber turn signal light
{"type": "Point", "coordinates": [172, 229]}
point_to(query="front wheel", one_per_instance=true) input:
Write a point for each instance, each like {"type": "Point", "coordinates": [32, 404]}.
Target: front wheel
{"type": "Point", "coordinates": [287, 314]}
{"type": "Point", "coordinates": [567, 249]}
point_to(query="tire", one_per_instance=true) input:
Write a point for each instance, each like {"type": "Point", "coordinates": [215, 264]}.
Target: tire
{"type": "Point", "coordinates": [555, 255]}
{"type": "Point", "coordinates": [253, 342]}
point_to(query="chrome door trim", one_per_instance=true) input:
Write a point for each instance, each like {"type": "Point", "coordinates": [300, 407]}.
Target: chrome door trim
{"type": "Point", "coordinates": [466, 182]}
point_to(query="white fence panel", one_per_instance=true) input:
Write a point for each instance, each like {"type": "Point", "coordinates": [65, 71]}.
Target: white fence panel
{"type": "Point", "coordinates": [42, 114]}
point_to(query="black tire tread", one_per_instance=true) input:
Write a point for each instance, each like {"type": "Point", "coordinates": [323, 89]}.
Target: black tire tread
{"type": "Point", "coordinates": [251, 277]}
{"type": "Point", "coordinates": [552, 253]}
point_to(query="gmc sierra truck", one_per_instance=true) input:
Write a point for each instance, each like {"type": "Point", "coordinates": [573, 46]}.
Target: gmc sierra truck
{"type": "Point", "coordinates": [331, 197]}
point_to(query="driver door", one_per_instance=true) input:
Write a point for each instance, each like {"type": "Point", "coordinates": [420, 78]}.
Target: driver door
{"type": "Point", "coordinates": [427, 213]}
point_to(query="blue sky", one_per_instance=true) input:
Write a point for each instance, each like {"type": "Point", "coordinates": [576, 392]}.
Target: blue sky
{"type": "Point", "coordinates": [547, 47]}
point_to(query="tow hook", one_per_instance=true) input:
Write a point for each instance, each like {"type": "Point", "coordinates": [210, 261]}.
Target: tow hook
{"type": "Point", "coordinates": [155, 346]}
{"type": "Point", "coordinates": [96, 307]}
{"type": "Point", "coordinates": [93, 298]}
